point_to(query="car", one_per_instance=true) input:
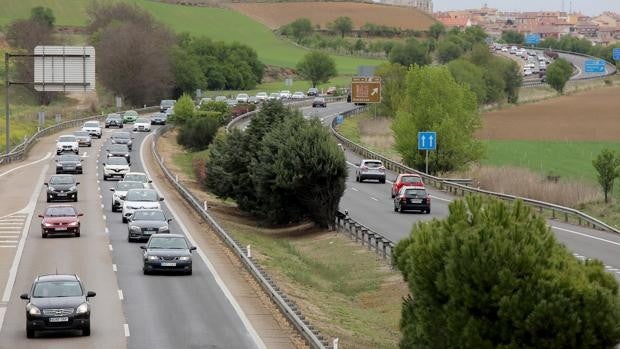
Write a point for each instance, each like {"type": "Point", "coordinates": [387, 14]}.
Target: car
{"type": "Point", "coordinates": [205, 100]}
{"type": "Point", "coordinates": [69, 163]}
{"type": "Point", "coordinates": [504, 49]}
{"type": "Point", "coordinates": [93, 128]}
{"type": "Point", "coordinates": [285, 94]}
{"type": "Point", "coordinates": [137, 199]}
{"type": "Point", "coordinates": [319, 102]}
{"type": "Point", "coordinates": [253, 100]}
{"type": "Point", "coordinates": [167, 252]}
{"type": "Point", "coordinates": [130, 116]}
{"type": "Point", "coordinates": [169, 112]}
{"type": "Point", "coordinates": [261, 96]}
{"type": "Point", "coordinates": [159, 119]}
{"type": "Point", "coordinates": [139, 177]}
{"type": "Point", "coordinates": [412, 199]}
{"type": "Point", "coordinates": [331, 91]}
{"type": "Point", "coordinates": [312, 92]}
{"type": "Point", "coordinates": [119, 150]}
{"type": "Point", "coordinates": [406, 180]}
{"type": "Point", "coordinates": [60, 219]}
{"type": "Point", "coordinates": [165, 104]}
{"type": "Point", "coordinates": [220, 99]}
{"type": "Point", "coordinates": [142, 124]}
{"type": "Point", "coordinates": [298, 95]}
{"type": "Point", "coordinates": [113, 119]}
{"type": "Point", "coordinates": [62, 187]}
{"type": "Point", "coordinates": [122, 138]}
{"type": "Point", "coordinates": [115, 167]}
{"type": "Point", "coordinates": [513, 50]}
{"type": "Point", "coordinates": [57, 302]}
{"type": "Point", "coordinates": [144, 223]}
{"type": "Point", "coordinates": [242, 98]}
{"type": "Point", "coordinates": [370, 169]}
{"type": "Point", "coordinates": [83, 138]}
{"type": "Point", "coordinates": [67, 143]}
{"type": "Point", "coordinates": [274, 96]}
{"type": "Point", "coordinates": [231, 102]}
{"type": "Point", "coordinates": [527, 72]}
{"type": "Point", "coordinates": [120, 191]}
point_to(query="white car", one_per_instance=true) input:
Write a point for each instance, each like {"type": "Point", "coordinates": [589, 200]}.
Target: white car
{"type": "Point", "coordinates": [504, 49]}
{"type": "Point", "coordinates": [242, 98]}
{"type": "Point", "coordinates": [93, 128]}
{"type": "Point", "coordinates": [275, 96]}
{"type": "Point", "coordinates": [138, 199]}
{"type": "Point", "coordinates": [205, 100]}
{"type": "Point", "coordinates": [139, 177]}
{"type": "Point", "coordinates": [115, 167]}
{"type": "Point", "coordinates": [169, 111]}
{"type": "Point", "coordinates": [298, 95]}
{"type": "Point", "coordinates": [527, 72]}
{"type": "Point", "coordinates": [142, 124]}
{"type": "Point", "coordinates": [121, 190]}
{"type": "Point", "coordinates": [67, 143]}
{"type": "Point", "coordinates": [285, 94]}
{"type": "Point", "coordinates": [261, 96]}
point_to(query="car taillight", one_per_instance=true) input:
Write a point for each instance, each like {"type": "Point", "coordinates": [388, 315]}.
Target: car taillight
{"type": "Point", "coordinates": [382, 169]}
{"type": "Point", "coordinates": [364, 168]}
{"type": "Point", "coordinates": [403, 198]}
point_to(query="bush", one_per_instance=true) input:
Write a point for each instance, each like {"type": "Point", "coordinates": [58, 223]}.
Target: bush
{"type": "Point", "coordinates": [197, 133]}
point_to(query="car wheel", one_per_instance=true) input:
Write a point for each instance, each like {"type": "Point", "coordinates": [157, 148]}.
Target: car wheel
{"type": "Point", "coordinates": [77, 235]}
{"type": "Point", "coordinates": [382, 181]}
{"type": "Point", "coordinates": [400, 209]}
{"type": "Point", "coordinates": [428, 211]}
{"type": "Point", "coordinates": [90, 145]}
{"type": "Point", "coordinates": [395, 208]}
{"type": "Point", "coordinates": [124, 219]}
{"type": "Point", "coordinates": [107, 126]}
{"type": "Point", "coordinates": [105, 178]}
{"type": "Point", "coordinates": [44, 235]}
{"type": "Point", "coordinates": [75, 199]}
{"type": "Point", "coordinates": [189, 272]}
{"type": "Point", "coordinates": [145, 271]}
{"type": "Point", "coordinates": [86, 331]}
{"type": "Point", "coordinates": [129, 238]}
{"type": "Point", "coordinates": [29, 332]}
{"type": "Point", "coordinates": [48, 199]}
{"type": "Point", "coordinates": [113, 209]}
{"type": "Point", "coordinates": [357, 178]}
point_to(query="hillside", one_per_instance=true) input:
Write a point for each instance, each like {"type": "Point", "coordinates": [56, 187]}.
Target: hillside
{"type": "Point", "coordinates": [275, 15]}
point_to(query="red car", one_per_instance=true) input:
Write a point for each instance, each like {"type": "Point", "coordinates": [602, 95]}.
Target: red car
{"type": "Point", "coordinates": [406, 180]}
{"type": "Point", "coordinates": [60, 219]}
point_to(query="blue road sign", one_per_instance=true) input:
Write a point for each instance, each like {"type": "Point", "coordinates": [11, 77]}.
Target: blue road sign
{"type": "Point", "coordinates": [617, 54]}
{"type": "Point", "coordinates": [339, 119]}
{"type": "Point", "coordinates": [532, 39]}
{"type": "Point", "coordinates": [427, 140]}
{"type": "Point", "coordinates": [594, 66]}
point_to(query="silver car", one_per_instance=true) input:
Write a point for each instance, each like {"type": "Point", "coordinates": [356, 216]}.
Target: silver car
{"type": "Point", "coordinates": [370, 169]}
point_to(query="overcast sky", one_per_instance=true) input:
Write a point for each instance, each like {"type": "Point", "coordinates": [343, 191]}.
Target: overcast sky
{"type": "Point", "coordinates": [589, 7]}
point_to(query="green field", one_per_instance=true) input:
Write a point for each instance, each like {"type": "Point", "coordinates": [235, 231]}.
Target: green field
{"type": "Point", "coordinates": [217, 23]}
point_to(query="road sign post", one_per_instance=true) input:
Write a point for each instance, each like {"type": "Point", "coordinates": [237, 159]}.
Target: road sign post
{"type": "Point", "coordinates": [427, 141]}
{"type": "Point", "coordinates": [366, 89]}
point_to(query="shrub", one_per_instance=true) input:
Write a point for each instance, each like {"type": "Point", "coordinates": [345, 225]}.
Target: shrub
{"type": "Point", "coordinates": [197, 133]}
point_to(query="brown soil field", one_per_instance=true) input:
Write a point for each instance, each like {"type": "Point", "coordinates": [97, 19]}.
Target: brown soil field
{"type": "Point", "coordinates": [275, 15]}
{"type": "Point", "coordinates": [587, 116]}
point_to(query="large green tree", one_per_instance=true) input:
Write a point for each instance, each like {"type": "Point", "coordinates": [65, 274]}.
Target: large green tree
{"type": "Point", "coordinates": [434, 101]}
{"type": "Point", "coordinates": [409, 53]}
{"type": "Point", "coordinates": [316, 66]}
{"type": "Point", "coordinates": [492, 275]}
{"type": "Point", "coordinates": [393, 87]}
{"type": "Point", "coordinates": [448, 51]}
{"type": "Point", "coordinates": [470, 75]}
{"type": "Point", "coordinates": [300, 28]}
{"type": "Point", "coordinates": [606, 165]}
{"type": "Point", "coordinates": [513, 37]}
{"type": "Point", "coordinates": [341, 25]}
{"type": "Point", "coordinates": [558, 74]}
{"type": "Point", "coordinates": [436, 30]}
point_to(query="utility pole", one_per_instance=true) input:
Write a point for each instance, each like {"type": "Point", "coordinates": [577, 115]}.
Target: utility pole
{"type": "Point", "coordinates": [6, 102]}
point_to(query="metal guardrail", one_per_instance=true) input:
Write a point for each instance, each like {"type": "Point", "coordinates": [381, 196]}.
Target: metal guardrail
{"type": "Point", "coordinates": [22, 149]}
{"type": "Point", "coordinates": [382, 246]}
{"type": "Point", "coordinates": [287, 306]}
{"type": "Point", "coordinates": [553, 211]}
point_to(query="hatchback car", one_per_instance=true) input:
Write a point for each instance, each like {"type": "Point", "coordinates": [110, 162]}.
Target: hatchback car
{"type": "Point", "coordinates": [120, 191]}
{"type": "Point", "coordinates": [115, 167]}
{"type": "Point", "coordinates": [298, 95]}
{"type": "Point", "coordinates": [406, 180]}
{"type": "Point", "coordinates": [319, 102]}
{"type": "Point", "coordinates": [312, 91]}
{"type": "Point", "coordinates": [275, 96]}
{"type": "Point", "coordinates": [167, 252]}
{"type": "Point", "coordinates": [242, 98]}
{"type": "Point", "coordinates": [114, 120]}
{"type": "Point", "coordinates": [57, 302]}
{"type": "Point", "coordinates": [159, 119]}
{"type": "Point", "coordinates": [67, 143]}
{"type": "Point", "coordinates": [60, 219]}
{"type": "Point", "coordinates": [142, 124]}
{"type": "Point", "coordinates": [370, 169]}
{"type": "Point", "coordinates": [412, 199]}
{"type": "Point", "coordinates": [93, 128]}
{"type": "Point", "coordinates": [69, 163]}
{"type": "Point", "coordinates": [331, 91]}
{"type": "Point", "coordinates": [262, 96]}
{"type": "Point", "coordinates": [137, 199]}
{"type": "Point", "coordinates": [130, 116]}
{"type": "Point", "coordinates": [144, 223]}
{"type": "Point", "coordinates": [62, 187]}
{"type": "Point", "coordinates": [84, 139]}
{"type": "Point", "coordinates": [119, 150]}
{"type": "Point", "coordinates": [285, 94]}
{"type": "Point", "coordinates": [165, 104]}
{"type": "Point", "coordinates": [122, 138]}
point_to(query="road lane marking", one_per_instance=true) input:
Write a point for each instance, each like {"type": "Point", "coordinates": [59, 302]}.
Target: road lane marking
{"type": "Point", "coordinates": [585, 235]}
{"type": "Point", "coordinates": [107, 231]}
{"type": "Point", "coordinates": [114, 269]}
{"type": "Point", "coordinates": [374, 198]}
{"type": "Point", "coordinates": [47, 156]}
{"type": "Point", "coordinates": [102, 206]}
{"type": "Point", "coordinates": [110, 247]}
{"type": "Point", "coordinates": [355, 189]}
{"type": "Point", "coordinates": [120, 294]}
{"type": "Point", "coordinates": [2, 312]}
{"type": "Point", "coordinates": [126, 328]}
{"type": "Point", "coordinates": [85, 155]}
{"type": "Point", "coordinates": [104, 217]}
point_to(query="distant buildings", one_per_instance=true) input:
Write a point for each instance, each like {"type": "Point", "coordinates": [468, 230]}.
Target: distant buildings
{"type": "Point", "coordinates": [424, 5]}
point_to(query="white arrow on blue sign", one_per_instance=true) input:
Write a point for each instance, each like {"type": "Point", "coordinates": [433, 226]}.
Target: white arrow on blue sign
{"type": "Point", "coordinates": [595, 66]}
{"type": "Point", "coordinates": [427, 140]}
{"type": "Point", "coordinates": [616, 54]}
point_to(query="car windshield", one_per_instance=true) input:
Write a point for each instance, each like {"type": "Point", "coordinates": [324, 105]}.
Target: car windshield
{"type": "Point", "coordinates": [126, 185]}
{"type": "Point", "coordinates": [91, 124]}
{"type": "Point", "coordinates": [114, 116]}
{"type": "Point", "coordinates": [69, 158]}
{"type": "Point", "coordinates": [117, 160]}
{"type": "Point", "coordinates": [65, 211]}
{"type": "Point", "coordinates": [57, 289]}
{"type": "Point", "coordinates": [136, 177]}
{"type": "Point", "coordinates": [121, 135]}
{"type": "Point", "coordinates": [149, 216]}
{"type": "Point", "coordinates": [81, 134]}
{"type": "Point", "coordinates": [143, 120]}
{"type": "Point", "coordinates": [141, 195]}
{"type": "Point", "coordinates": [242, 95]}
{"type": "Point", "coordinates": [168, 243]}
{"type": "Point", "coordinates": [66, 139]}
{"type": "Point", "coordinates": [415, 193]}
{"type": "Point", "coordinates": [131, 112]}
{"type": "Point", "coordinates": [373, 164]}
{"type": "Point", "coordinates": [411, 179]}
{"type": "Point", "coordinates": [167, 103]}
{"type": "Point", "coordinates": [61, 180]}
{"type": "Point", "coordinates": [275, 94]}
{"type": "Point", "coordinates": [119, 148]}
{"type": "Point", "coordinates": [159, 115]}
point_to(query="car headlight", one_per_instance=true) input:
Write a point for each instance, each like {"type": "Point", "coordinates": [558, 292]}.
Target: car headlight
{"type": "Point", "coordinates": [153, 258]}
{"type": "Point", "coordinates": [51, 188]}
{"type": "Point", "coordinates": [165, 227]}
{"type": "Point", "coordinates": [73, 224]}
{"type": "Point", "coordinates": [135, 229]}
{"type": "Point", "coordinates": [184, 258]}
{"type": "Point", "coordinates": [113, 141]}
{"type": "Point", "coordinates": [73, 188]}
{"type": "Point", "coordinates": [82, 308]}
{"type": "Point", "coordinates": [48, 225]}
{"type": "Point", "coordinates": [32, 310]}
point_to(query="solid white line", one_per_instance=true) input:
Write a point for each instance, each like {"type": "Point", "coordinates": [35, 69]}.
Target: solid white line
{"type": "Point", "coordinates": [114, 269]}
{"type": "Point", "coordinates": [8, 241]}
{"type": "Point", "coordinates": [126, 327]}
{"type": "Point", "coordinates": [233, 302]}
{"type": "Point", "coordinates": [25, 165]}
{"type": "Point", "coordinates": [586, 235]}
{"type": "Point", "coordinates": [120, 294]}
{"type": "Point", "coordinates": [8, 246]}
{"type": "Point", "coordinates": [2, 312]}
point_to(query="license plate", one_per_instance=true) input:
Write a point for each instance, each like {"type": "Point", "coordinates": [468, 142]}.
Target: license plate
{"type": "Point", "coordinates": [62, 194]}
{"type": "Point", "coordinates": [61, 229]}
{"type": "Point", "coordinates": [168, 264]}
{"type": "Point", "coordinates": [59, 319]}
{"type": "Point", "coordinates": [415, 201]}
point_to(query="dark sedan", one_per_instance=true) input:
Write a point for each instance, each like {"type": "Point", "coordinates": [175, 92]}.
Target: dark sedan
{"type": "Point", "coordinates": [69, 163]}
{"type": "Point", "coordinates": [412, 199]}
{"type": "Point", "coordinates": [319, 102]}
{"type": "Point", "coordinates": [114, 120]}
{"type": "Point", "coordinates": [159, 119]}
{"type": "Point", "coordinates": [144, 223]}
{"type": "Point", "coordinates": [57, 303]}
{"type": "Point", "coordinates": [122, 138]}
{"type": "Point", "coordinates": [119, 150]}
{"type": "Point", "coordinates": [62, 187]}
{"type": "Point", "coordinates": [60, 219]}
{"type": "Point", "coordinates": [167, 252]}
{"type": "Point", "coordinates": [84, 139]}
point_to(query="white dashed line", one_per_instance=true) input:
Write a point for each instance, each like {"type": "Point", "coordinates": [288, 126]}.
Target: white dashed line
{"type": "Point", "coordinates": [102, 205]}
{"type": "Point", "coordinates": [114, 269]}
{"type": "Point", "coordinates": [355, 189]}
{"type": "Point", "coordinates": [104, 216]}
{"type": "Point", "coordinates": [120, 294]}
{"type": "Point", "coordinates": [107, 231]}
{"type": "Point", "coordinates": [126, 327]}
{"type": "Point", "coordinates": [110, 247]}
{"type": "Point", "coordinates": [374, 198]}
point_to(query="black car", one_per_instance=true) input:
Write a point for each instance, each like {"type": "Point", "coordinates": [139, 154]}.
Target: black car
{"type": "Point", "coordinates": [312, 92]}
{"type": "Point", "coordinates": [57, 303]}
{"type": "Point", "coordinates": [84, 139]}
{"type": "Point", "coordinates": [69, 163]}
{"type": "Point", "coordinates": [167, 252]}
{"type": "Point", "coordinates": [114, 120]}
{"type": "Point", "coordinates": [144, 223]}
{"type": "Point", "coordinates": [120, 150]}
{"type": "Point", "coordinates": [159, 119]}
{"type": "Point", "coordinates": [412, 199]}
{"type": "Point", "coordinates": [122, 138]}
{"type": "Point", "coordinates": [62, 187]}
{"type": "Point", "coordinates": [319, 102]}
